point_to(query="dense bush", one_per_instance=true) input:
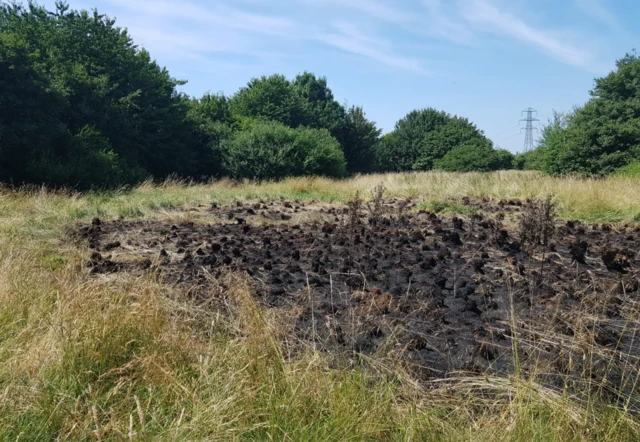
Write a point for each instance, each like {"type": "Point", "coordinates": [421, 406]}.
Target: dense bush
{"type": "Point", "coordinates": [423, 138]}
{"type": "Point", "coordinates": [602, 136]}
{"type": "Point", "coordinates": [270, 150]}
{"type": "Point", "coordinates": [384, 153]}
{"type": "Point", "coordinates": [474, 157]}
{"type": "Point", "coordinates": [531, 160]}
{"type": "Point", "coordinates": [89, 160]}
{"type": "Point", "coordinates": [630, 170]}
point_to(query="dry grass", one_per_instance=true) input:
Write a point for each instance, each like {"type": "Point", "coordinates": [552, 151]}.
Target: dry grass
{"type": "Point", "coordinates": [112, 358]}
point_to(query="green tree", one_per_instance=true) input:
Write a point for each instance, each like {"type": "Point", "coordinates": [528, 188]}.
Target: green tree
{"type": "Point", "coordinates": [271, 150]}
{"type": "Point", "coordinates": [423, 137]}
{"type": "Point", "coordinates": [308, 101]}
{"type": "Point", "coordinates": [212, 116]}
{"type": "Point", "coordinates": [474, 156]}
{"type": "Point", "coordinates": [456, 132]}
{"type": "Point", "coordinates": [211, 108]}
{"type": "Point", "coordinates": [349, 126]}
{"type": "Point", "coordinates": [384, 153]}
{"type": "Point", "coordinates": [270, 98]}
{"type": "Point", "coordinates": [359, 136]}
{"type": "Point", "coordinates": [531, 160]}
{"type": "Point", "coordinates": [603, 135]}
{"type": "Point", "coordinates": [30, 120]}
{"type": "Point", "coordinates": [95, 78]}
{"type": "Point", "coordinates": [320, 109]}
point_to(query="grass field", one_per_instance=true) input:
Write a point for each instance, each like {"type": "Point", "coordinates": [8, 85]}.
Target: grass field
{"type": "Point", "coordinates": [85, 358]}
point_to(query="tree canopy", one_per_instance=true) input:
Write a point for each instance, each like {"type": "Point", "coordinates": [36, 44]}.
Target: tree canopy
{"type": "Point", "coordinates": [604, 134]}
{"type": "Point", "coordinates": [75, 90]}
{"type": "Point", "coordinates": [422, 139]}
{"type": "Point", "coordinates": [271, 150]}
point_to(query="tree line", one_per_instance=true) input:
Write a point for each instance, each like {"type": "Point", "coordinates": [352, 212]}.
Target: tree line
{"type": "Point", "coordinates": [81, 105]}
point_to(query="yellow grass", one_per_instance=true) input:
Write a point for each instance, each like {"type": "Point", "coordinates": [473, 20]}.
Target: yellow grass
{"type": "Point", "coordinates": [117, 358]}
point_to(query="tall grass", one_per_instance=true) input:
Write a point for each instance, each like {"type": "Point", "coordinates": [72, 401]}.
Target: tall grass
{"type": "Point", "coordinates": [123, 358]}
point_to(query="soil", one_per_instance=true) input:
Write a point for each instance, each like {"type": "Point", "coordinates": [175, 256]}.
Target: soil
{"type": "Point", "coordinates": [440, 293]}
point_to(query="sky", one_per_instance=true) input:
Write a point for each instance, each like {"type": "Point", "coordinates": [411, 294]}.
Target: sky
{"type": "Point", "coordinates": [485, 60]}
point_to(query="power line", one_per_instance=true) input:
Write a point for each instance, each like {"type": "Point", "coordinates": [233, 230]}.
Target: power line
{"type": "Point", "coordinates": [528, 139]}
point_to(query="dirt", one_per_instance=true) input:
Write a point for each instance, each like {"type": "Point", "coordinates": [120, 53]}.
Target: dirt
{"type": "Point", "coordinates": [440, 293]}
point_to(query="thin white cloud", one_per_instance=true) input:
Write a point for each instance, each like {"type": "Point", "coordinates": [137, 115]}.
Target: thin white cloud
{"type": "Point", "coordinates": [390, 13]}
{"type": "Point", "coordinates": [218, 14]}
{"type": "Point", "coordinates": [597, 10]}
{"type": "Point", "coordinates": [492, 19]}
{"type": "Point", "coordinates": [443, 24]}
{"type": "Point", "coordinates": [395, 34]}
{"type": "Point", "coordinates": [431, 20]}
{"type": "Point", "coordinates": [181, 43]}
{"type": "Point", "coordinates": [349, 38]}
{"type": "Point", "coordinates": [195, 31]}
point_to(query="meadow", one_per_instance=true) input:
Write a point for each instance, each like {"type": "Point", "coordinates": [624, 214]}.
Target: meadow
{"type": "Point", "coordinates": [104, 339]}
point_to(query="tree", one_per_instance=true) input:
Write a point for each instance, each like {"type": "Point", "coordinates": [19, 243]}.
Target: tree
{"type": "Point", "coordinates": [359, 137]}
{"type": "Point", "coordinates": [30, 122]}
{"type": "Point", "coordinates": [97, 85]}
{"type": "Point", "coordinates": [423, 137]}
{"type": "Point", "coordinates": [321, 110]}
{"type": "Point", "coordinates": [211, 108]}
{"type": "Point", "coordinates": [456, 132]}
{"type": "Point", "coordinates": [474, 156]}
{"type": "Point", "coordinates": [211, 114]}
{"type": "Point", "coordinates": [603, 135]}
{"type": "Point", "coordinates": [271, 150]}
{"type": "Point", "coordinates": [270, 98]}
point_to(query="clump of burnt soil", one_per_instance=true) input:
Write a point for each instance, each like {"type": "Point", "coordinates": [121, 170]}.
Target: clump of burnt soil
{"type": "Point", "coordinates": [441, 293]}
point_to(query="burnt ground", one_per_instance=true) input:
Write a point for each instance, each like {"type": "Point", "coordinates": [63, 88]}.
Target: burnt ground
{"type": "Point", "coordinates": [440, 293]}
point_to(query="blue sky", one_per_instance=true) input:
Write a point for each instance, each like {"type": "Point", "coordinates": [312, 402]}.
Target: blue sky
{"type": "Point", "coordinates": [483, 59]}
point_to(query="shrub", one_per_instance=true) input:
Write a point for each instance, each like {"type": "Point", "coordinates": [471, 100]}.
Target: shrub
{"type": "Point", "coordinates": [630, 170]}
{"type": "Point", "coordinates": [359, 136]}
{"type": "Point", "coordinates": [531, 160]}
{"type": "Point", "coordinates": [386, 154]}
{"type": "Point", "coordinates": [269, 150]}
{"type": "Point", "coordinates": [89, 162]}
{"type": "Point", "coordinates": [474, 157]}
{"type": "Point", "coordinates": [322, 153]}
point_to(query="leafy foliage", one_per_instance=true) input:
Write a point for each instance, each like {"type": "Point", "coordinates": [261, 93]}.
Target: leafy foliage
{"type": "Point", "coordinates": [474, 157]}
{"type": "Point", "coordinates": [424, 137]}
{"type": "Point", "coordinates": [74, 87]}
{"type": "Point", "coordinates": [602, 136]}
{"type": "Point", "coordinates": [384, 152]}
{"type": "Point", "coordinates": [270, 98]}
{"type": "Point", "coordinates": [320, 109]}
{"type": "Point", "coordinates": [630, 170]}
{"type": "Point", "coordinates": [270, 150]}
{"type": "Point", "coordinates": [531, 160]}
{"type": "Point", "coordinates": [308, 101]}
{"type": "Point", "coordinates": [359, 136]}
